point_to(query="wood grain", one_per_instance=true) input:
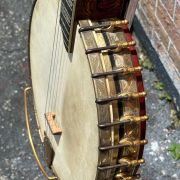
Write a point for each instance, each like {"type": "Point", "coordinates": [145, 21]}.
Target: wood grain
{"type": "Point", "coordinates": [100, 9]}
{"type": "Point", "coordinates": [120, 84]}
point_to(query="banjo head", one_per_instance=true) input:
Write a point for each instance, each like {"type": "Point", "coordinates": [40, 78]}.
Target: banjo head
{"type": "Point", "coordinates": [100, 118]}
{"type": "Point", "coordinates": [71, 84]}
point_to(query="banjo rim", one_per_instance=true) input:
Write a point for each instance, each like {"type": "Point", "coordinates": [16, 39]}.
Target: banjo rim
{"type": "Point", "coordinates": [140, 87]}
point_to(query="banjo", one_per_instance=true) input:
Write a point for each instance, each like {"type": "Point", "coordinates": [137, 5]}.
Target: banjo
{"type": "Point", "coordinates": [89, 98]}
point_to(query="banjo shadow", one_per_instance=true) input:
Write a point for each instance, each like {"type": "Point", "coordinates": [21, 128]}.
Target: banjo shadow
{"type": "Point", "coordinates": [57, 139]}
{"type": "Point", "coordinates": [70, 55]}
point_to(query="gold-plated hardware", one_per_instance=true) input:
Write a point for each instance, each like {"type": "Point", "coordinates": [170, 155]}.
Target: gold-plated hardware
{"type": "Point", "coordinates": [128, 70]}
{"type": "Point", "coordinates": [134, 118]}
{"type": "Point", "coordinates": [132, 95]}
{"type": "Point", "coordinates": [119, 23]}
{"type": "Point", "coordinates": [124, 45]}
{"type": "Point", "coordinates": [110, 26]}
{"type": "Point", "coordinates": [116, 24]}
{"type": "Point", "coordinates": [121, 96]}
{"type": "Point", "coordinates": [26, 91]}
{"type": "Point", "coordinates": [125, 142]}
{"type": "Point", "coordinates": [55, 129]}
{"type": "Point", "coordinates": [124, 119]}
{"type": "Point", "coordinates": [132, 162]}
{"type": "Point", "coordinates": [123, 176]}
{"type": "Point", "coordinates": [130, 142]}
{"type": "Point", "coordinates": [120, 70]}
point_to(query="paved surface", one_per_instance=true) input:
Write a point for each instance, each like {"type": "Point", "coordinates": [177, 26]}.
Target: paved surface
{"type": "Point", "coordinates": [16, 160]}
{"type": "Point", "coordinates": [160, 133]}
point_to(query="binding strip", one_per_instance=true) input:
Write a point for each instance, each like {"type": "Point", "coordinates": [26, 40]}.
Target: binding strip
{"type": "Point", "coordinates": [122, 97]}
{"type": "Point", "coordinates": [105, 27]}
{"type": "Point", "coordinates": [123, 120]}
{"type": "Point", "coordinates": [113, 48]}
{"type": "Point", "coordinates": [122, 70]}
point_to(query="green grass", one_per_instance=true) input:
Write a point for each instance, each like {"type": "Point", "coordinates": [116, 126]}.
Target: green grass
{"type": "Point", "coordinates": [159, 85]}
{"type": "Point", "coordinates": [175, 118]}
{"type": "Point", "coordinates": [174, 149]}
{"type": "Point", "coordinates": [146, 63]}
{"type": "Point", "coordinates": [165, 96]}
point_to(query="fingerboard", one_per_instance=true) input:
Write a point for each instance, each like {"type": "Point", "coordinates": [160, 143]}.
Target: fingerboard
{"type": "Point", "coordinates": [100, 9]}
{"type": "Point", "coordinates": [67, 17]}
{"type": "Point", "coordinates": [74, 10]}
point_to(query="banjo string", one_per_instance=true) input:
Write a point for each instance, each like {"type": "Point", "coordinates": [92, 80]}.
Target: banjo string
{"type": "Point", "coordinates": [60, 59]}
{"type": "Point", "coordinates": [55, 70]}
{"type": "Point", "coordinates": [58, 70]}
{"type": "Point", "coordinates": [54, 63]}
{"type": "Point", "coordinates": [63, 70]}
{"type": "Point", "coordinates": [50, 72]}
{"type": "Point", "coordinates": [59, 73]}
{"type": "Point", "coordinates": [48, 96]}
{"type": "Point", "coordinates": [54, 74]}
{"type": "Point", "coordinates": [61, 77]}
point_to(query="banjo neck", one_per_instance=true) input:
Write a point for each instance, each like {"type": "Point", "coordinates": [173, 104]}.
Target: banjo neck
{"type": "Point", "coordinates": [74, 10]}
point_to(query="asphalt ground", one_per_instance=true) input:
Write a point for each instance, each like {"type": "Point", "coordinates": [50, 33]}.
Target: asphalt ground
{"type": "Point", "coordinates": [16, 159]}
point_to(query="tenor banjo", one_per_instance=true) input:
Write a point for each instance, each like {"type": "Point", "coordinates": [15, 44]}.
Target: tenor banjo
{"type": "Point", "coordinates": [89, 98]}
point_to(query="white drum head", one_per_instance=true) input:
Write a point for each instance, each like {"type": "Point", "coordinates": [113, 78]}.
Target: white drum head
{"type": "Point", "coordinates": [96, 94]}
{"type": "Point", "coordinates": [70, 95]}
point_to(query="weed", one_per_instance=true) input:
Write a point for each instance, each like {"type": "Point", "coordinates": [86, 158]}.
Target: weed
{"type": "Point", "coordinates": [174, 149]}
{"type": "Point", "coordinates": [174, 117]}
{"type": "Point", "coordinates": [165, 96]}
{"type": "Point", "coordinates": [159, 85]}
{"type": "Point", "coordinates": [146, 63]}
